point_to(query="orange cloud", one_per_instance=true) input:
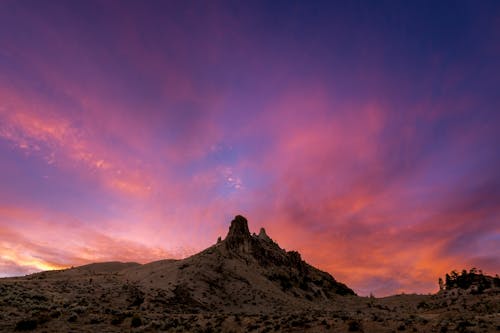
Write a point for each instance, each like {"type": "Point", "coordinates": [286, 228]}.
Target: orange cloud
{"type": "Point", "coordinates": [27, 244]}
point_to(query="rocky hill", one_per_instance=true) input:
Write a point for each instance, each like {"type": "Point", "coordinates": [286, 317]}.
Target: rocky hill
{"type": "Point", "coordinates": [241, 272]}
{"type": "Point", "coordinates": [243, 283]}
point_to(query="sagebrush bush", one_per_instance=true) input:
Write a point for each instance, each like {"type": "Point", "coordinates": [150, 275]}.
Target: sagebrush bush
{"type": "Point", "coordinates": [26, 325]}
{"type": "Point", "coordinates": [136, 321]}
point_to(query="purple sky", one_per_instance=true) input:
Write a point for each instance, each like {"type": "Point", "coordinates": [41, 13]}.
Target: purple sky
{"type": "Point", "coordinates": [365, 135]}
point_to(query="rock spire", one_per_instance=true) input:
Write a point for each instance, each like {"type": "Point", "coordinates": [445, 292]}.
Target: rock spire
{"type": "Point", "coordinates": [239, 238]}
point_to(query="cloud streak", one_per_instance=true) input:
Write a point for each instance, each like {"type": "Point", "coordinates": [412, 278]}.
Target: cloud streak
{"type": "Point", "coordinates": [135, 132]}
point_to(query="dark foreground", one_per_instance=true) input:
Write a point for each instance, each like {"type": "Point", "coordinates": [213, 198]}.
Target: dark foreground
{"type": "Point", "coordinates": [107, 303]}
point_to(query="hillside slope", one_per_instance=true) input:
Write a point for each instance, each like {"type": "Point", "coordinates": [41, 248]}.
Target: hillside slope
{"type": "Point", "coordinates": [244, 283]}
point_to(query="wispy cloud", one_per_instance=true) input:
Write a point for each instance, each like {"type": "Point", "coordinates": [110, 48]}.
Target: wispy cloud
{"type": "Point", "coordinates": [131, 135]}
{"type": "Point", "coordinates": [28, 241]}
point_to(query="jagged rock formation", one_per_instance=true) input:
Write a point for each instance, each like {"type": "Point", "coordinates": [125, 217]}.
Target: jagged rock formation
{"type": "Point", "coordinates": [242, 271]}
{"type": "Point", "coordinates": [238, 238]}
{"type": "Point", "coordinates": [263, 236]}
{"type": "Point", "coordinates": [287, 269]}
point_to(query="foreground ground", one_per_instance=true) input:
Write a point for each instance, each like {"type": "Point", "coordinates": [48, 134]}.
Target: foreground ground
{"type": "Point", "coordinates": [104, 302]}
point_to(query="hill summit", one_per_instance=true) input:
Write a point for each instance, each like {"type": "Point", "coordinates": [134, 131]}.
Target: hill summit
{"type": "Point", "coordinates": [285, 270]}
{"type": "Point", "coordinates": [243, 271]}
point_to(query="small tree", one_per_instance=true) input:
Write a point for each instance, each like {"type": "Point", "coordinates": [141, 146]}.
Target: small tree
{"type": "Point", "coordinates": [441, 283]}
{"type": "Point", "coordinates": [448, 281]}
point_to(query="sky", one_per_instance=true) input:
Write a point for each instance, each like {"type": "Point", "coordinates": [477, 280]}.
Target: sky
{"type": "Point", "coordinates": [363, 134]}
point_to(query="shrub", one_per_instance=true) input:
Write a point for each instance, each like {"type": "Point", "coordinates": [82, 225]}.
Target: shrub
{"type": "Point", "coordinates": [73, 318]}
{"type": "Point", "coordinates": [117, 320]}
{"type": "Point", "coordinates": [467, 279]}
{"type": "Point", "coordinates": [43, 318]}
{"type": "Point", "coordinates": [136, 321]}
{"type": "Point", "coordinates": [283, 279]}
{"type": "Point", "coordinates": [354, 326]}
{"type": "Point", "coordinates": [422, 305]}
{"type": "Point", "coordinates": [55, 314]}
{"type": "Point", "coordinates": [26, 325]}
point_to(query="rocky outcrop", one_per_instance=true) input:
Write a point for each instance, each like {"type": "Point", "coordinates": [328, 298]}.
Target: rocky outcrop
{"type": "Point", "coordinates": [238, 238]}
{"type": "Point", "coordinates": [287, 269]}
{"type": "Point", "coordinates": [263, 236]}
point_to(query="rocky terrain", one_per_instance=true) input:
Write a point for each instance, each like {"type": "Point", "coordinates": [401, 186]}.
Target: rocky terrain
{"type": "Point", "coordinates": [244, 283]}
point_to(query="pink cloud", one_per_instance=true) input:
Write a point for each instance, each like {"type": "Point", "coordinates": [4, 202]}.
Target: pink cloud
{"type": "Point", "coordinates": [28, 238]}
{"type": "Point", "coordinates": [159, 133]}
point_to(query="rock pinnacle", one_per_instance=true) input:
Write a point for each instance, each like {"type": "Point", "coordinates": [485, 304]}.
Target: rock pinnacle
{"type": "Point", "coordinates": [239, 238]}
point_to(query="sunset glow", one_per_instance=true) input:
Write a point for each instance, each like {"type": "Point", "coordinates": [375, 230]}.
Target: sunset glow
{"type": "Point", "coordinates": [364, 136]}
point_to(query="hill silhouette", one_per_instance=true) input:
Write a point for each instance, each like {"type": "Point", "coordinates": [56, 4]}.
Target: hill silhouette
{"type": "Point", "coordinates": [243, 283]}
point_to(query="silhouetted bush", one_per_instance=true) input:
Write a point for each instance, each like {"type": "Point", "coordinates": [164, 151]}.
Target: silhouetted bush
{"type": "Point", "coordinates": [136, 321]}
{"type": "Point", "coordinates": [117, 320]}
{"type": "Point", "coordinates": [43, 318]}
{"type": "Point", "coordinates": [73, 318]}
{"type": "Point", "coordinates": [26, 325]}
{"type": "Point", "coordinates": [465, 280]}
{"type": "Point", "coordinates": [55, 314]}
{"type": "Point", "coordinates": [354, 326]}
{"type": "Point", "coordinates": [284, 281]}
{"type": "Point", "coordinates": [423, 305]}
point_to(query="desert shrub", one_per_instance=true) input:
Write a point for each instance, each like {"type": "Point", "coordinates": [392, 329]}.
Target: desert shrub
{"type": "Point", "coordinates": [42, 318]}
{"type": "Point", "coordinates": [79, 309]}
{"type": "Point", "coordinates": [208, 329]}
{"type": "Point", "coordinates": [462, 325]}
{"type": "Point", "coordinates": [136, 321]}
{"type": "Point", "coordinates": [39, 298]}
{"type": "Point", "coordinates": [422, 305]}
{"type": "Point", "coordinates": [496, 281]}
{"type": "Point", "coordinates": [170, 323]}
{"type": "Point", "coordinates": [55, 314]}
{"type": "Point", "coordinates": [283, 279]}
{"type": "Point", "coordinates": [354, 326]}
{"type": "Point", "coordinates": [252, 327]}
{"type": "Point", "coordinates": [443, 329]}
{"type": "Point", "coordinates": [73, 318]}
{"type": "Point", "coordinates": [26, 325]}
{"type": "Point", "coordinates": [117, 320]}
